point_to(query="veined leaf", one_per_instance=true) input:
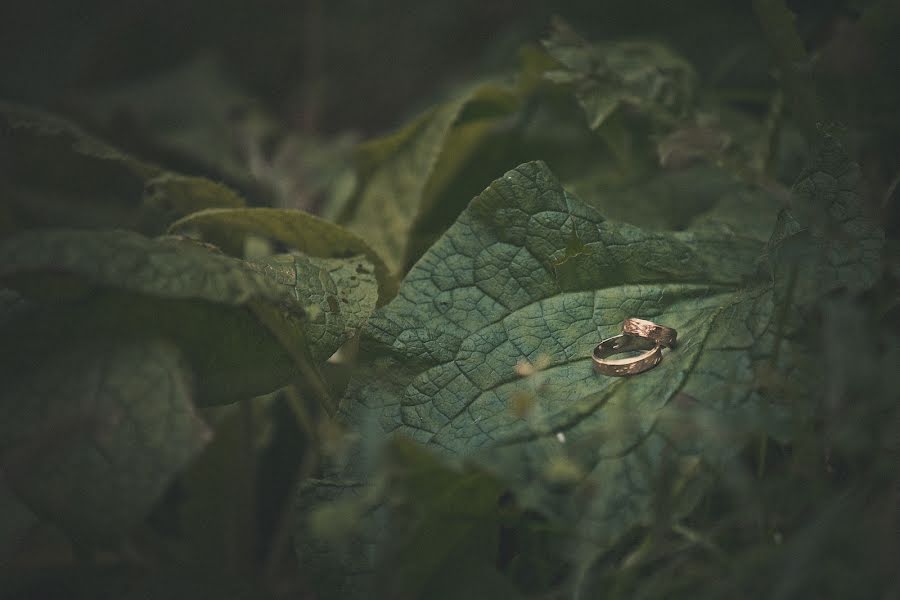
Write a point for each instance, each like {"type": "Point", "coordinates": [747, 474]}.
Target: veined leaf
{"type": "Point", "coordinates": [209, 303]}
{"type": "Point", "coordinates": [529, 274]}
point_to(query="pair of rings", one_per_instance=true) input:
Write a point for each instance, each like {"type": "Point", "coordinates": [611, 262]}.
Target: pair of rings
{"type": "Point", "coordinates": [637, 335]}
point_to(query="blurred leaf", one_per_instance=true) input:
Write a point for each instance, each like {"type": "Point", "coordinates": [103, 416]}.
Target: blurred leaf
{"type": "Point", "coordinates": [194, 111]}
{"type": "Point", "coordinates": [645, 76]}
{"type": "Point", "coordinates": [401, 175]}
{"type": "Point", "coordinates": [219, 514]}
{"type": "Point", "coordinates": [124, 283]}
{"type": "Point", "coordinates": [439, 516]}
{"type": "Point", "coordinates": [54, 174]}
{"type": "Point", "coordinates": [16, 519]}
{"type": "Point", "coordinates": [282, 229]}
{"type": "Point", "coordinates": [198, 115]}
{"type": "Point", "coordinates": [689, 198]}
{"type": "Point", "coordinates": [825, 240]}
{"type": "Point", "coordinates": [530, 272]}
{"type": "Point", "coordinates": [93, 434]}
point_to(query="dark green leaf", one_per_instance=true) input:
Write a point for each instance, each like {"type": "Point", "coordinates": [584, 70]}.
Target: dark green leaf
{"type": "Point", "coordinates": [92, 436]}
{"type": "Point", "coordinates": [645, 76]}
{"type": "Point", "coordinates": [826, 240]}
{"type": "Point", "coordinates": [182, 290]}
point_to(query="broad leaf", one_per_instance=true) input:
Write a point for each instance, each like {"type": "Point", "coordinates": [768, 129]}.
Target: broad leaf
{"type": "Point", "coordinates": [92, 436]}
{"type": "Point", "coordinates": [54, 174]}
{"type": "Point", "coordinates": [209, 303]}
{"type": "Point", "coordinates": [645, 76]}
{"type": "Point", "coordinates": [530, 274]}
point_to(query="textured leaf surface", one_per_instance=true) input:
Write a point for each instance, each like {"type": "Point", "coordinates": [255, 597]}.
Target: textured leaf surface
{"type": "Point", "coordinates": [401, 174]}
{"type": "Point", "coordinates": [530, 274]}
{"type": "Point", "coordinates": [94, 435]}
{"type": "Point", "coordinates": [200, 298]}
{"type": "Point", "coordinates": [284, 229]}
{"type": "Point", "coordinates": [606, 76]}
{"type": "Point", "coordinates": [54, 174]}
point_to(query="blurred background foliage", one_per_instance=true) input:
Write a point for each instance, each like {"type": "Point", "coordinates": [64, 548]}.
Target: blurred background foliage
{"type": "Point", "coordinates": [305, 104]}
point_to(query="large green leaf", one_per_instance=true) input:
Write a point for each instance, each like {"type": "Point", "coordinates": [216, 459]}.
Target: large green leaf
{"type": "Point", "coordinates": [401, 175]}
{"type": "Point", "coordinates": [54, 174]}
{"type": "Point", "coordinates": [529, 274]}
{"type": "Point", "coordinates": [245, 326]}
{"type": "Point", "coordinates": [92, 436]}
{"type": "Point", "coordinates": [645, 76]}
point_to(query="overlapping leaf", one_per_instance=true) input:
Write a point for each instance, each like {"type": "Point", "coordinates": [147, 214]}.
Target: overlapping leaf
{"type": "Point", "coordinates": [211, 304]}
{"type": "Point", "coordinates": [234, 229]}
{"type": "Point", "coordinates": [402, 174]}
{"type": "Point", "coordinates": [646, 76]}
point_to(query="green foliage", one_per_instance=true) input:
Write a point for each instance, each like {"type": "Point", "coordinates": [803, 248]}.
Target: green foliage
{"type": "Point", "coordinates": [646, 77]}
{"type": "Point", "coordinates": [57, 175]}
{"type": "Point", "coordinates": [90, 442]}
{"type": "Point", "coordinates": [372, 377]}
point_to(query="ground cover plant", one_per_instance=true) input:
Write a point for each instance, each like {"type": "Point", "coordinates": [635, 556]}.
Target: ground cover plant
{"type": "Point", "coordinates": [277, 321]}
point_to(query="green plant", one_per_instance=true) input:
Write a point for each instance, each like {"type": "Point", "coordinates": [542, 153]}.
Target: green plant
{"type": "Point", "coordinates": [401, 388]}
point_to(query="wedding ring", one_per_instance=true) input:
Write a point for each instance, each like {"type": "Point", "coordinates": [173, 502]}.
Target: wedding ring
{"type": "Point", "coordinates": [664, 336]}
{"type": "Point", "coordinates": [619, 367]}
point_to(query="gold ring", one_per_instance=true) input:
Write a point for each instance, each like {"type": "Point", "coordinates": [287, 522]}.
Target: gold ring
{"type": "Point", "coordinates": [664, 336]}
{"type": "Point", "coordinates": [619, 367]}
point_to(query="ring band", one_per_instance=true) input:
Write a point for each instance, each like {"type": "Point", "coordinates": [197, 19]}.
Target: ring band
{"type": "Point", "coordinates": [619, 367]}
{"type": "Point", "coordinates": [664, 336]}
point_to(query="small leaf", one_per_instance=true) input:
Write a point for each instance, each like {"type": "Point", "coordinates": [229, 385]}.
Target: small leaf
{"type": "Point", "coordinates": [645, 76]}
